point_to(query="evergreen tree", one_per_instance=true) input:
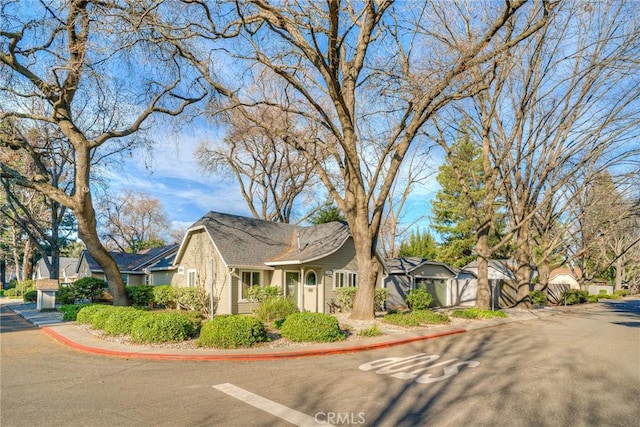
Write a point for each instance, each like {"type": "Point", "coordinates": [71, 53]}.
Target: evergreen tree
{"type": "Point", "coordinates": [329, 213]}
{"type": "Point", "coordinates": [452, 210]}
{"type": "Point", "coordinates": [421, 245]}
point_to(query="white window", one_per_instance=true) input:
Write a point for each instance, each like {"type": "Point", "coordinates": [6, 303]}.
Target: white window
{"type": "Point", "coordinates": [148, 279]}
{"type": "Point", "coordinates": [125, 279]}
{"type": "Point", "coordinates": [310, 278]}
{"type": "Point", "coordinates": [247, 280]}
{"type": "Point", "coordinates": [345, 278]}
{"type": "Point", "coordinates": [191, 278]}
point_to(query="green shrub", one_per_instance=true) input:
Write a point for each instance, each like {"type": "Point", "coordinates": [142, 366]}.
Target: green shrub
{"type": "Point", "coordinates": [622, 292]}
{"type": "Point", "coordinates": [575, 296]}
{"type": "Point", "coordinates": [70, 311]}
{"type": "Point", "coordinates": [477, 313]}
{"type": "Point", "coordinates": [88, 288]}
{"type": "Point", "coordinates": [372, 331]}
{"type": "Point", "coordinates": [419, 299]}
{"type": "Point", "coordinates": [65, 295]}
{"type": "Point", "coordinates": [315, 327]}
{"type": "Point", "coordinates": [274, 308]}
{"type": "Point", "coordinates": [592, 299]}
{"type": "Point", "coordinates": [30, 296]}
{"type": "Point", "coordinates": [231, 332]}
{"type": "Point", "coordinates": [192, 299]}
{"type": "Point", "coordinates": [347, 295]}
{"type": "Point", "coordinates": [86, 313]}
{"type": "Point", "coordinates": [259, 293]}
{"type": "Point", "coordinates": [120, 320]}
{"type": "Point", "coordinates": [1, 292]}
{"type": "Point", "coordinates": [416, 318]}
{"type": "Point", "coordinates": [141, 295]}
{"type": "Point", "coordinates": [537, 297]}
{"type": "Point", "coordinates": [11, 292]}
{"type": "Point", "coordinates": [194, 316]}
{"type": "Point", "coordinates": [164, 295]}
{"type": "Point", "coordinates": [161, 327]}
{"type": "Point", "coordinates": [99, 318]}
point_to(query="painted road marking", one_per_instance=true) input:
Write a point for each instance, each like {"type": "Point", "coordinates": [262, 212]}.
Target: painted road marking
{"type": "Point", "coordinates": [395, 365]}
{"type": "Point", "coordinates": [274, 408]}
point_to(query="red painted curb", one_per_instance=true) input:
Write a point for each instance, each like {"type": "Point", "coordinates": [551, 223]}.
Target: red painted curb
{"type": "Point", "coordinates": [242, 357]}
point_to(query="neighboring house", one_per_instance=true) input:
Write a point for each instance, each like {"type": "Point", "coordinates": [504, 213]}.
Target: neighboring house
{"type": "Point", "coordinates": [502, 281]}
{"type": "Point", "coordinates": [66, 274]}
{"type": "Point", "coordinates": [566, 276]}
{"type": "Point", "coordinates": [406, 274]}
{"type": "Point", "coordinates": [227, 254]}
{"type": "Point", "coordinates": [134, 268]}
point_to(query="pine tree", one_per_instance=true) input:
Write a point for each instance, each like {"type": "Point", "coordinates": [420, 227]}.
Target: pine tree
{"type": "Point", "coordinates": [421, 245]}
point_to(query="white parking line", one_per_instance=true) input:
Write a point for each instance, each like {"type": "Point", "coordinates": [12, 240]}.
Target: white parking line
{"type": "Point", "coordinates": [269, 406]}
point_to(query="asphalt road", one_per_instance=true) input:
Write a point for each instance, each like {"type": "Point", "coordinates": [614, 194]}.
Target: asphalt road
{"type": "Point", "coordinates": [578, 369]}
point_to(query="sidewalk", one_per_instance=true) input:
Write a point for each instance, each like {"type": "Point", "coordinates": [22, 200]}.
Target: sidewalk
{"type": "Point", "coordinates": [70, 334]}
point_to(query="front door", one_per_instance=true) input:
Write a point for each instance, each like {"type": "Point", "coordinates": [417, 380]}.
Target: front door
{"type": "Point", "coordinates": [292, 281]}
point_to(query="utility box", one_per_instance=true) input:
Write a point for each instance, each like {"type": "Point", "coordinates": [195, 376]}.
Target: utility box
{"type": "Point", "coordinates": [46, 299]}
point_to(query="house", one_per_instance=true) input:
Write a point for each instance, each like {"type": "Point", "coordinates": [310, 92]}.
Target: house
{"type": "Point", "coordinates": [228, 254]}
{"type": "Point", "coordinates": [135, 268]}
{"type": "Point", "coordinates": [66, 270]}
{"type": "Point", "coordinates": [406, 274]}
{"type": "Point", "coordinates": [502, 280]}
{"type": "Point", "coordinates": [569, 277]}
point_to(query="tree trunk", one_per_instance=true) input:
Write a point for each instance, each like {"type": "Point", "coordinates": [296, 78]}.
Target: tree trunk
{"type": "Point", "coordinates": [27, 261]}
{"type": "Point", "coordinates": [368, 269]}
{"type": "Point", "coordinates": [483, 296]}
{"type": "Point", "coordinates": [544, 271]}
{"type": "Point", "coordinates": [523, 272]}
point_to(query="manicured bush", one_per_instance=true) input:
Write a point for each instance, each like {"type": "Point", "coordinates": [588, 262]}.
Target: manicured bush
{"type": "Point", "coordinates": [65, 296]}
{"type": "Point", "coordinates": [86, 313]}
{"type": "Point", "coordinates": [30, 296]}
{"type": "Point", "coordinates": [419, 299]}
{"type": "Point", "coordinates": [315, 327]}
{"type": "Point", "coordinates": [231, 332]}
{"type": "Point", "coordinates": [11, 292]}
{"type": "Point", "coordinates": [476, 313]}
{"type": "Point", "coordinates": [141, 295]}
{"type": "Point", "coordinates": [347, 295]}
{"type": "Point", "coordinates": [70, 311]}
{"type": "Point", "coordinates": [99, 318]}
{"type": "Point", "coordinates": [88, 288]}
{"type": "Point", "coordinates": [274, 308]}
{"type": "Point", "coordinates": [194, 316]}
{"type": "Point", "coordinates": [161, 327]}
{"type": "Point", "coordinates": [575, 296]}
{"type": "Point", "coordinates": [537, 297]}
{"type": "Point", "coordinates": [416, 318]}
{"type": "Point", "coordinates": [120, 320]}
{"type": "Point", "coordinates": [192, 299]}
{"type": "Point", "coordinates": [622, 292]}
{"type": "Point", "coordinates": [164, 295]}
{"type": "Point", "coordinates": [260, 293]}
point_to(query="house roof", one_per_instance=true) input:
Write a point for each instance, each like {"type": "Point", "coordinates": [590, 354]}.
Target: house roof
{"type": "Point", "coordinates": [502, 266]}
{"type": "Point", "coordinates": [408, 264]}
{"type": "Point", "coordinates": [576, 273]}
{"type": "Point", "coordinates": [133, 263]}
{"type": "Point", "coordinates": [67, 267]}
{"type": "Point", "coordinates": [246, 242]}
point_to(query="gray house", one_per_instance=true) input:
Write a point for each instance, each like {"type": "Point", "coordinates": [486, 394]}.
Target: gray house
{"type": "Point", "coordinates": [502, 281]}
{"type": "Point", "coordinates": [228, 254]}
{"type": "Point", "coordinates": [406, 274]}
{"type": "Point", "coordinates": [66, 271]}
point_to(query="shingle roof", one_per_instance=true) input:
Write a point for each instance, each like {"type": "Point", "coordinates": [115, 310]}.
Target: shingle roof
{"type": "Point", "coordinates": [67, 265]}
{"type": "Point", "coordinates": [133, 263]}
{"type": "Point", "coordinates": [504, 266]}
{"type": "Point", "coordinates": [406, 265]}
{"type": "Point", "coordinates": [244, 241]}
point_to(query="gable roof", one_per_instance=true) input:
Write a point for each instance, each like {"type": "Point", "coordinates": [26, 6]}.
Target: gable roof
{"type": "Point", "coordinates": [406, 265]}
{"type": "Point", "coordinates": [67, 267]}
{"type": "Point", "coordinates": [132, 263]}
{"type": "Point", "coordinates": [502, 266]}
{"type": "Point", "coordinates": [576, 273]}
{"type": "Point", "coordinates": [250, 242]}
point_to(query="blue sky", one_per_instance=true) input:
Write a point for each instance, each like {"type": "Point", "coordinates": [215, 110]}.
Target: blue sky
{"type": "Point", "coordinates": [172, 175]}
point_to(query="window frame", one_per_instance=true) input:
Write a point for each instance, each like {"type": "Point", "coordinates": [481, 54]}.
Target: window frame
{"type": "Point", "coordinates": [349, 278]}
{"type": "Point", "coordinates": [306, 279]}
{"type": "Point", "coordinates": [241, 283]}
{"type": "Point", "coordinates": [192, 272]}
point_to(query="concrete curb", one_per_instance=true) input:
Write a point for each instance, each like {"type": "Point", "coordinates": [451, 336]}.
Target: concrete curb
{"type": "Point", "coordinates": [246, 357]}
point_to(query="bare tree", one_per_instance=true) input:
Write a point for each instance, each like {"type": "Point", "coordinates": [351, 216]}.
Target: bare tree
{"type": "Point", "coordinates": [96, 74]}
{"type": "Point", "coordinates": [272, 175]}
{"type": "Point", "coordinates": [561, 104]}
{"type": "Point", "coordinates": [132, 222]}
{"type": "Point", "coordinates": [365, 73]}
